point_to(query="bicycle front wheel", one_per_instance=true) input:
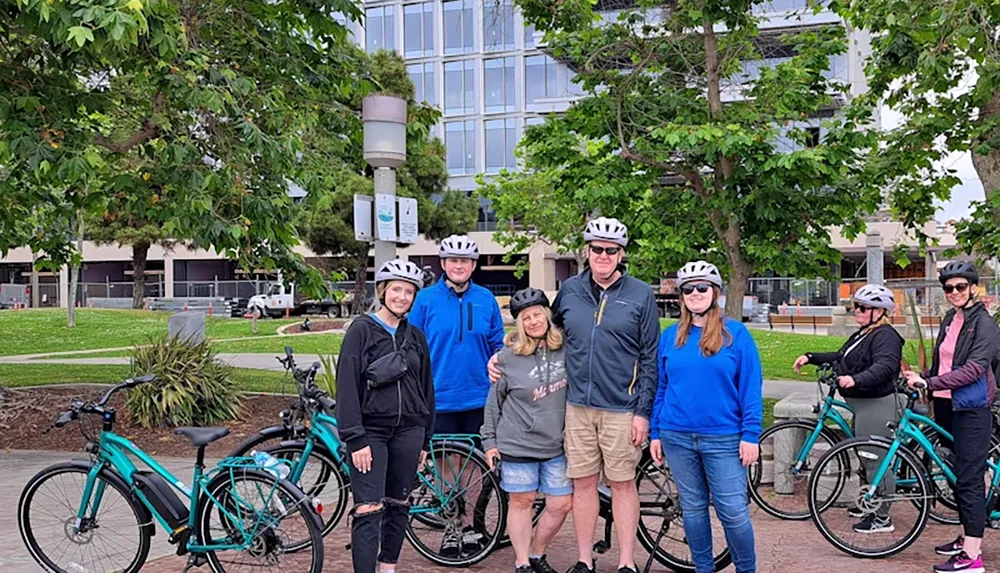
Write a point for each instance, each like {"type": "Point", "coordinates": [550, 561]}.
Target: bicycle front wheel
{"type": "Point", "coordinates": [113, 535]}
{"type": "Point", "coordinates": [270, 521]}
{"type": "Point", "coordinates": [660, 512]}
{"type": "Point", "coordinates": [457, 510]}
{"type": "Point", "coordinates": [780, 477]}
{"type": "Point", "coordinates": [900, 512]}
{"type": "Point", "coordinates": [322, 480]}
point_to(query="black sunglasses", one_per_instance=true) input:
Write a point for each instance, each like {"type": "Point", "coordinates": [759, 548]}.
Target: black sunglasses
{"type": "Point", "coordinates": [961, 287]}
{"type": "Point", "coordinates": [601, 250]}
{"type": "Point", "coordinates": [702, 288]}
{"type": "Point", "coordinates": [861, 307]}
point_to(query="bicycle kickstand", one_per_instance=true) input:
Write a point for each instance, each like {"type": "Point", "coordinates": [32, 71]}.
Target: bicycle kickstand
{"type": "Point", "coordinates": [659, 537]}
{"type": "Point", "coordinates": [197, 560]}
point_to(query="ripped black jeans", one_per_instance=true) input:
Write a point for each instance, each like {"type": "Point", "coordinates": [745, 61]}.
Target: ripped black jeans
{"type": "Point", "coordinates": [377, 536]}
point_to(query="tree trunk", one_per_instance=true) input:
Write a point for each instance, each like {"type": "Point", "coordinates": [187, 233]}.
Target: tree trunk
{"type": "Point", "coordinates": [139, 253]}
{"type": "Point", "coordinates": [35, 295]}
{"type": "Point", "coordinates": [988, 166]}
{"type": "Point", "coordinates": [74, 274]}
{"type": "Point", "coordinates": [736, 289]}
{"type": "Point", "coordinates": [581, 258]}
{"type": "Point", "coordinates": [360, 278]}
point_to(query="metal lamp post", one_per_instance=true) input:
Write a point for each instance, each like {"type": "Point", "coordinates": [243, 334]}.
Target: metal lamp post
{"type": "Point", "coordinates": [384, 119]}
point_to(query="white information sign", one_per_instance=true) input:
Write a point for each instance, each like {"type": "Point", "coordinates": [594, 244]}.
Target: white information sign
{"type": "Point", "coordinates": [407, 220]}
{"type": "Point", "coordinates": [385, 217]}
{"type": "Point", "coordinates": [363, 218]}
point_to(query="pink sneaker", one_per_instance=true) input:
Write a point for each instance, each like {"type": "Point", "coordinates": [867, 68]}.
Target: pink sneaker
{"type": "Point", "coordinates": [962, 562]}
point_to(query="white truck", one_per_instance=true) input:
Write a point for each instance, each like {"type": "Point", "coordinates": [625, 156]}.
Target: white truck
{"type": "Point", "coordinates": [279, 300]}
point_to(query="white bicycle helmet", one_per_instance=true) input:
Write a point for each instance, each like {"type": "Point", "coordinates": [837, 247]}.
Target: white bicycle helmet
{"type": "Point", "coordinates": [699, 271]}
{"type": "Point", "coordinates": [606, 229]}
{"type": "Point", "coordinates": [400, 270]}
{"type": "Point", "coordinates": [875, 296]}
{"type": "Point", "coordinates": [459, 247]}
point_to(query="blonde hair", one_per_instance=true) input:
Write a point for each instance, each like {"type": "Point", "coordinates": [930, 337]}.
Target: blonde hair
{"type": "Point", "coordinates": [715, 333]}
{"type": "Point", "coordinates": [524, 345]}
{"type": "Point", "coordinates": [880, 322]}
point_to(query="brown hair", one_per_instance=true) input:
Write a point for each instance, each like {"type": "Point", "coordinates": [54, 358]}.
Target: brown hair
{"type": "Point", "coordinates": [524, 345]}
{"type": "Point", "coordinates": [715, 333]}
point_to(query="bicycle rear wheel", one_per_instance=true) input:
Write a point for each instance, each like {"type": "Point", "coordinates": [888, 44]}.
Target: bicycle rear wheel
{"type": "Point", "coordinates": [451, 500]}
{"type": "Point", "coordinates": [322, 481]}
{"type": "Point", "coordinates": [659, 508]}
{"type": "Point", "coordinates": [908, 505]}
{"type": "Point", "coordinates": [266, 517]}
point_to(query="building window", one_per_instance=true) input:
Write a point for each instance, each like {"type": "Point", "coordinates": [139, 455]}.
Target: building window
{"type": "Point", "coordinates": [499, 84]}
{"type": "Point", "coordinates": [812, 136]}
{"type": "Point", "coordinates": [459, 87]}
{"type": "Point", "coordinates": [529, 36]}
{"type": "Point", "coordinates": [460, 141]}
{"type": "Point", "coordinates": [498, 25]}
{"type": "Point", "coordinates": [379, 29]}
{"type": "Point", "coordinates": [535, 120]}
{"type": "Point", "coordinates": [424, 88]}
{"type": "Point", "coordinates": [501, 137]}
{"type": "Point", "coordinates": [539, 78]}
{"type": "Point", "coordinates": [458, 24]}
{"type": "Point", "coordinates": [346, 22]}
{"type": "Point", "coordinates": [418, 30]}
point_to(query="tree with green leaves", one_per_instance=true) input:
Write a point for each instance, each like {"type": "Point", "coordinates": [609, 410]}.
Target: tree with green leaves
{"type": "Point", "coordinates": [206, 106]}
{"type": "Point", "coordinates": [328, 222]}
{"type": "Point", "coordinates": [740, 176]}
{"type": "Point", "coordinates": [938, 64]}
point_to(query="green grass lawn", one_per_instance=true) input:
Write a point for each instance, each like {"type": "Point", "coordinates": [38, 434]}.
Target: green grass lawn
{"type": "Point", "coordinates": [44, 330]}
{"type": "Point", "coordinates": [25, 375]}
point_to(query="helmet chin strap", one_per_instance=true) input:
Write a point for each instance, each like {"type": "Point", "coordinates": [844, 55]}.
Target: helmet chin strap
{"type": "Point", "coordinates": [392, 312]}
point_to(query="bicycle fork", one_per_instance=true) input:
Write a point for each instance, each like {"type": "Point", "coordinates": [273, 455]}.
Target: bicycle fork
{"type": "Point", "coordinates": [94, 488]}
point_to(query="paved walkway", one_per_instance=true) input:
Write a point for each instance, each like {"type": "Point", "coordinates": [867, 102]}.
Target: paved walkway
{"type": "Point", "coordinates": [782, 546]}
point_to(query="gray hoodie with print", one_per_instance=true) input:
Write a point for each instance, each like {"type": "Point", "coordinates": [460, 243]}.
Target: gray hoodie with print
{"type": "Point", "coordinates": [526, 409]}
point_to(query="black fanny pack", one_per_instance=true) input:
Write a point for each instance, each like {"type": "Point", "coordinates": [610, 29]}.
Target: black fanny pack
{"type": "Point", "coordinates": [390, 368]}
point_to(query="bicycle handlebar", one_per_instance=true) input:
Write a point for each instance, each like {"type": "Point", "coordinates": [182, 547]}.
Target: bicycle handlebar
{"type": "Point", "coordinates": [78, 407]}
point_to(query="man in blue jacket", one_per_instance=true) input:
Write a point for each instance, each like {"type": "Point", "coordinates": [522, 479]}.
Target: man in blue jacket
{"type": "Point", "coordinates": [463, 326]}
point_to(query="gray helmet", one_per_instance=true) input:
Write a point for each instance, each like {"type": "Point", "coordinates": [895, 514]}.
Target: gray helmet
{"type": "Point", "coordinates": [606, 229]}
{"type": "Point", "coordinates": [524, 298]}
{"type": "Point", "coordinates": [699, 271]}
{"type": "Point", "coordinates": [875, 296]}
{"type": "Point", "coordinates": [400, 270]}
{"type": "Point", "coordinates": [956, 269]}
{"type": "Point", "coordinates": [459, 247]}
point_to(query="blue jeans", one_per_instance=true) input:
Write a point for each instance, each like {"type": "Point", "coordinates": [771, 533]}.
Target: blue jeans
{"type": "Point", "coordinates": [708, 467]}
{"type": "Point", "coordinates": [548, 477]}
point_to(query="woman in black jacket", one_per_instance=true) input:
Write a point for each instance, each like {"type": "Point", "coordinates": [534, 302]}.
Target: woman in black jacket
{"type": "Point", "coordinates": [962, 363]}
{"type": "Point", "coordinates": [868, 365]}
{"type": "Point", "coordinates": [385, 412]}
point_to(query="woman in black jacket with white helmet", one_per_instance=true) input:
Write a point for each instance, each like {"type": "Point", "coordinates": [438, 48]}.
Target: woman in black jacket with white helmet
{"type": "Point", "coordinates": [868, 365]}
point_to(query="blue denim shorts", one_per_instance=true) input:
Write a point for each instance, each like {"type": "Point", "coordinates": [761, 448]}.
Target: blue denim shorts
{"type": "Point", "coordinates": [548, 477]}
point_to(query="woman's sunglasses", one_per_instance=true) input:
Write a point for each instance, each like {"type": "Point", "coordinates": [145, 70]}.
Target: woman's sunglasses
{"type": "Point", "coordinates": [861, 307]}
{"type": "Point", "coordinates": [702, 288]}
{"type": "Point", "coordinates": [961, 287]}
{"type": "Point", "coordinates": [601, 250]}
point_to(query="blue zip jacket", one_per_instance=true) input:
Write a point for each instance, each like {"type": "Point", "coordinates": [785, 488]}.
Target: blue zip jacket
{"type": "Point", "coordinates": [463, 331]}
{"type": "Point", "coordinates": [610, 344]}
{"type": "Point", "coordinates": [719, 395]}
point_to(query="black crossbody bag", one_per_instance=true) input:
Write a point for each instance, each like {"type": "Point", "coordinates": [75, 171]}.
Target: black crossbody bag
{"type": "Point", "coordinates": [390, 368]}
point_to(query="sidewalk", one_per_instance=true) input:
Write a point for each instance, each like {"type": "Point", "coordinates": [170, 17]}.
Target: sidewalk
{"type": "Point", "coordinates": [782, 546]}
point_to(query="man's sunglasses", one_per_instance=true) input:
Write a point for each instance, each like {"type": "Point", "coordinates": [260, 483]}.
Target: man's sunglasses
{"type": "Point", "coordinates": [961, 287]}
{"type": "Point", "coordinates": [601, 250]}
{"type": "Point", "coordinates": [702, 288]}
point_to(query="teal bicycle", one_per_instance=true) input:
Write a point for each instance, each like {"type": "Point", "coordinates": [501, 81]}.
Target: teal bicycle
{"type": "Point", "coordinates": [840, 480]}
{"type": "Point", "coordinates": [99, 514]}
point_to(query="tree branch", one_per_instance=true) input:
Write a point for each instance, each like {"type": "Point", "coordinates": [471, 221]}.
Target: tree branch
{"type": "Point", "coordinates": [149, 130]}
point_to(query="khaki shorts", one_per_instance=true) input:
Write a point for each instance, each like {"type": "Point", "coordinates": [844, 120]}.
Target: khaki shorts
{"type": "Point", "coordinates": [598, 440]}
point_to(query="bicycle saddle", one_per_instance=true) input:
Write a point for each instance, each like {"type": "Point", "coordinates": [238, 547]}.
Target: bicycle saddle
{"type": "Point", "coordinates": [922, 409]}
{"type": "Point", "coordinates": [202, 436]}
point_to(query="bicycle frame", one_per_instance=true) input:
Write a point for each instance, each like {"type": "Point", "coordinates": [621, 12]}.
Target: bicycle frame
{"type": "Point", "coordinates": [911, 427]}
{"type": "Point", "coordinates": [113, 452]}
{"type": "Point", "coordinates": [827, 412]}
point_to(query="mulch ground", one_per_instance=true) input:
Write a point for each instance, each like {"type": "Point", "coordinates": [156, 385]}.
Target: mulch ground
{"type": "Point", "coordinates": [26, 414]}
{"type": "Point", "coordinates": [315, 326]}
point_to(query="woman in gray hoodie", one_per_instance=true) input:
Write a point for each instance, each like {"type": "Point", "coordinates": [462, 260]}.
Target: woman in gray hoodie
{"type": "Point", "coordinates": [523, 428]}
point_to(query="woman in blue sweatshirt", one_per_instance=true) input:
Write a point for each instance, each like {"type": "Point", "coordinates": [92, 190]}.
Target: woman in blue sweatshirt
{"type": "Point", "coordinates": [707, 416]}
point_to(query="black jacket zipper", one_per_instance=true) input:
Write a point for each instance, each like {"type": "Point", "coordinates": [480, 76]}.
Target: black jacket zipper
{"type": "Point", "coordinates": [460, 321]}
{"type": "Point", "coordinates": [469, 308]}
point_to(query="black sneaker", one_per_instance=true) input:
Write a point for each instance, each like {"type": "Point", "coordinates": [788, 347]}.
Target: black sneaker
{"type": "Point", "coordinates": [451, 544]}
{"type": "Point", "coordinates": [627, 570]}
{"type": "Point", "coordinates": [541, 565]}
{"type": "Point", "coordinates": [856, 512]}
{"type": "Point", "coordinates": [581, 567]}
{"type": "Point", "coordinates": [523, 569]}
{"type": "Point", "coordinates": [875, 524]}
{"type": "Point", "coordinates": [472, 540]}
{"type": "Point", "coordinates": [952, 547]}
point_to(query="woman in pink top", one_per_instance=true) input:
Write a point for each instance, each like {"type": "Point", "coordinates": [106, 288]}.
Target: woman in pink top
{"type": "Point", "coordinates": [963, 363]}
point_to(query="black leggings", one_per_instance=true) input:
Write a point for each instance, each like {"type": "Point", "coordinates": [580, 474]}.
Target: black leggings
{"type": "Point", "coordinates": [972, 429]}
{"type": "Point", "coordinates": [377, 536]}
{"type": "Point", "coordinates": [943, 415]}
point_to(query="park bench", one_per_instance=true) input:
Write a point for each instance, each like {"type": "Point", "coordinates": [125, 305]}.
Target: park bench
{"type": "Point", "coordinates": [800, 321]}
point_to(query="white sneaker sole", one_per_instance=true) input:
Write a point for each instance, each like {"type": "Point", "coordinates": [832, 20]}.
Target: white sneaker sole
{"type": "Point", "coordinates": [888, 529]}
{"type": "Point", "coordinates": [970, 570]}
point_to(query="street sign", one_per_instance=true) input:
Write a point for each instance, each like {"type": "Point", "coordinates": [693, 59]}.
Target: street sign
{"type": "Point", "coordinates": [385, 217]}
{"type": "Point", "coordinates": [363, 218]}
{"type": "Point", "coordinates": [407, 220]}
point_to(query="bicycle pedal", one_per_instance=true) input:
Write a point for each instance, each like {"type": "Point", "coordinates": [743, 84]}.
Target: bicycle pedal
{"type": "Point", "coordinates": [195, 560]}
{"type": "Point", "coordinates": [602, 547]}
{"type": "Point", "coordinates": [994, 524]}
